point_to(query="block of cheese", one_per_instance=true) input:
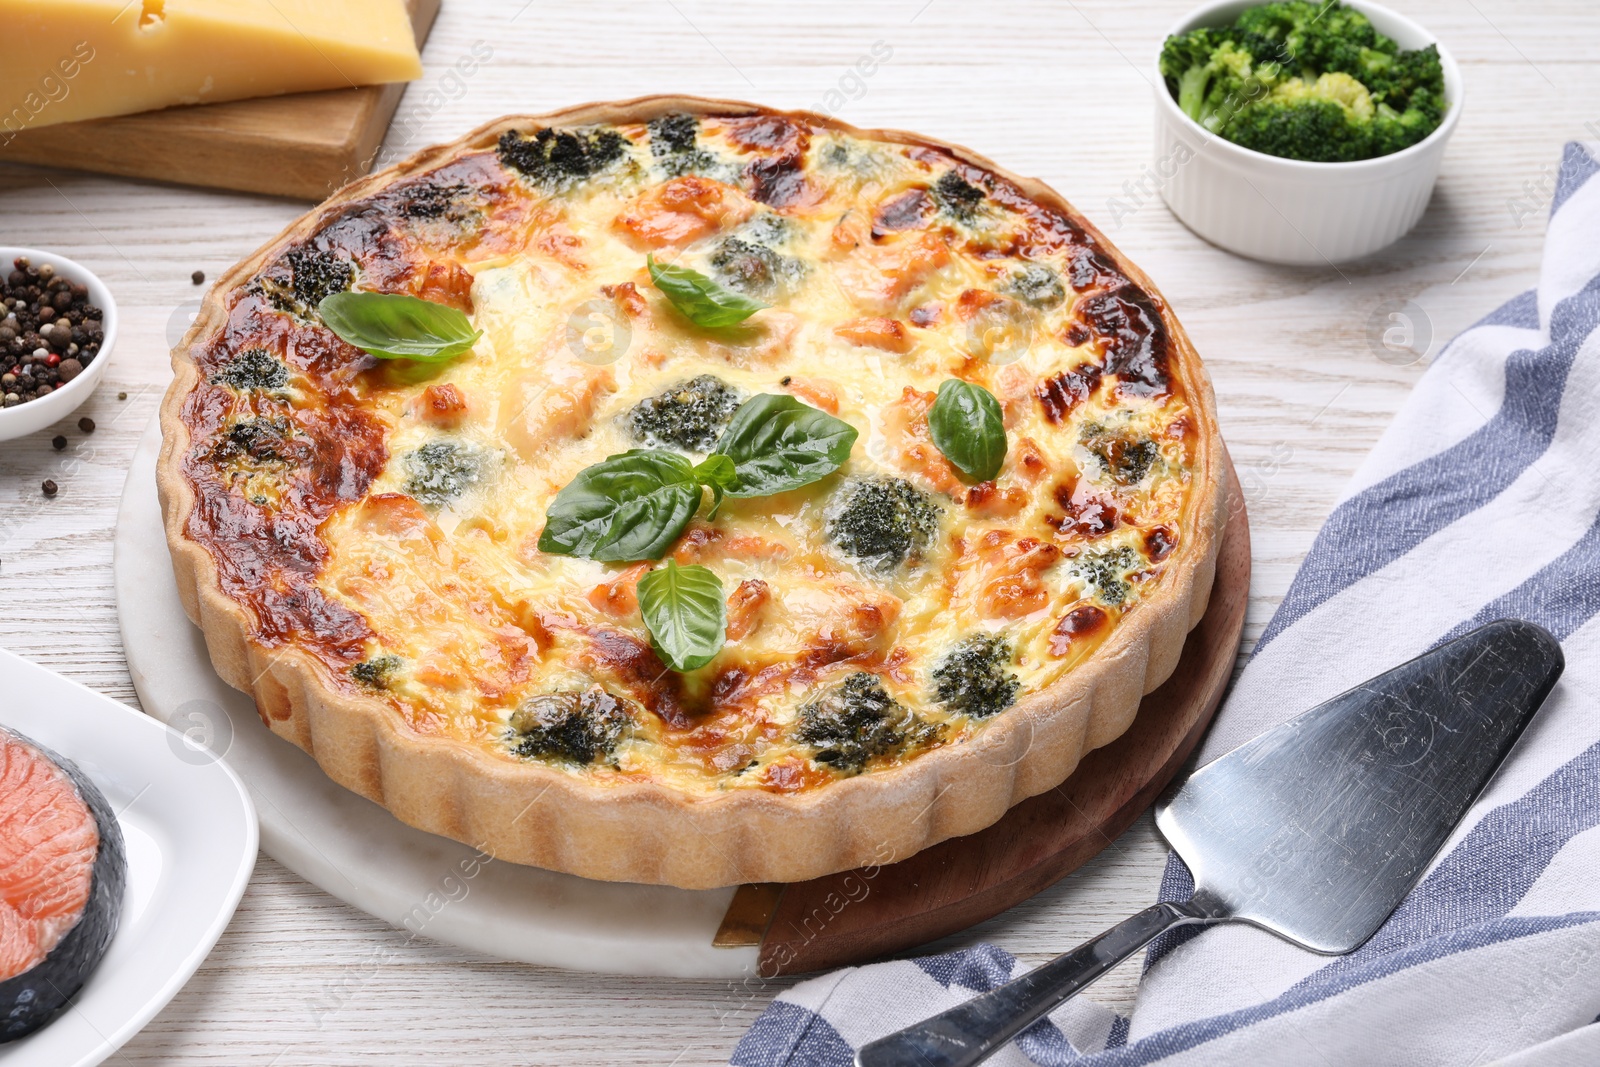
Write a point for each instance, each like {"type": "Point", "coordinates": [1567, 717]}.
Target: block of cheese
{"type": "Point", "coordinates": [78, 59]}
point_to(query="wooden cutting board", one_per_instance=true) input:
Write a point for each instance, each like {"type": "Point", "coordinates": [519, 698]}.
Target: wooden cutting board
{"type": "Point", "coordinates": [304, 145]}
{"type": "Point", "coordinates": [863, 914]}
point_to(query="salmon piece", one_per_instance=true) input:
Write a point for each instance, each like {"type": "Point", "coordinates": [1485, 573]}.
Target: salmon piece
{"type": "Point", "coordinates": [19, 942]}
{"type": "Point", "coordinates": [441, 405]}
{"type": "Point", "coordinates": [905, 430]}
{"type": "Point", "coordinates": [839, 615]}
{"type": "Point", "coordinates": [48, 844]}
{"type": "Point", "coordinates": [683, 210]}
{"type": "Point", "coordinates": [557, 241]}
{"type": "Point", "coordinates": [395, 515]}
{"type": "Point", "coordinates": [760, 340]}
{"type": "Point", "coordinates": [994, 502]}
{"type": "Point", "coordinates": [818, 392]}
{"type": "Point", "coordinates": [882, 276]}
{"type": "Point", "coordinates": [62, 872]}
{"type": "Point", "coordinates": [700, 543]}
{"type": "Point", "coordinates": [629, 301]}
{"type": "Point", "coordinates": [1014, 387]}
{"type": "Point", "coordinates": [848, 234]}
{"type": "Point", "coordinates": [1010, 574]}
{"type": "Point", "coordinates": [744, 608]}
{"type": "Point", "coordinates": [620, 596]}
{"type": "Point", "coordinates": [445, 283]}
{"type": "Point", "coordinates": [886, 334]}
{"type": "Point", "coordinates": [792, 774]}
{"type": "Point", "coordinates": [1028, 460]}
{"type": "Point", "coordinates": [553, 402]}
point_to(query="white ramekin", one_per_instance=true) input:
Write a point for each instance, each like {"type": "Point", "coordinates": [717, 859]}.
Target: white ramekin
{"type": "Point", "coordinates": [1286, 210]}
{"type": "Point", "coordinates": [35, 415]}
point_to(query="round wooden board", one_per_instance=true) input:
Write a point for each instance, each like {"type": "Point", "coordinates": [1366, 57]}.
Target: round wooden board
{"type": "Point", "coordinates": [863, 914]}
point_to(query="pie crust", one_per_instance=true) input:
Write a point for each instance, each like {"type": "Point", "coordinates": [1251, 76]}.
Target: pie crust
{"type": "Point", "coordinates": [534, 813]}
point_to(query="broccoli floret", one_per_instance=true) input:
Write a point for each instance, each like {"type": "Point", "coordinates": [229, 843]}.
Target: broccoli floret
{"type": "Point", "coordinates": [575, 727]}
{"type": "Point", "coordinates": [672, 134]}
{"type": "Point", "coordinates": [1125, 459]}
{"type": "Point", "coordinates": [259, 441]}
{"type": "Point", "coordinates": [957, 196]}
{"type": "Point", "coordinates": [852, 723]}
{"type": "Point", "coordinates": [881, 522]}
{"type": "Point", "coordinates": [375, 673]}
{"type": "Point", "coordinates": [691, 415]}
{"type": "Point", "coordinates": [1316, 38]}
{"type": "Point", "coordinates": [674, 148]}
{"type": "Point", "coordinates": [975, 678]}
{"type": "Point", "coordinates": [1106, 569]}
{"type": "Point", "coordinates": [1037, 286]}
{"type": "Point", "coordinates": [753, 269]}
{"type": "Point", "coordinates": [1410, 101]}
{"type": "Point", "coordinates": [1326, 121]}
{"type": "Point", "coordinates": [1409, 80]}
{"type": "Point", "coordinates": [433, 200]}
{"type": "Point", "coordinates": [1213, 76]}
{"type": "Point", "coordinates": [440, 471]}
{"type": "Point", "coordinates": [1303, 80]}
{"type": "Point", "coordinates": [313, 273]}
{"type": "Point", "coordinates": [559, 159]}
{"type": "Point", "coordinates": [1393, 131]}
{"type": "Point", "coordinates": [766, 229]}
{"type": "Point", "coordinates": [319, 274]}
{"type": "Point", "coordinates": [254, 368]}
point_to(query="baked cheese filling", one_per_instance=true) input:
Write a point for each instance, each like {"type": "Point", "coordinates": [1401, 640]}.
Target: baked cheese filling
{"type": "Point", "coordinates": [385, 516]}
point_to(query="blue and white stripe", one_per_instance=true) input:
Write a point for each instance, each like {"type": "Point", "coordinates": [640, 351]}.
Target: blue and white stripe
{"type": "Point", "coordinates": [1481, 501]}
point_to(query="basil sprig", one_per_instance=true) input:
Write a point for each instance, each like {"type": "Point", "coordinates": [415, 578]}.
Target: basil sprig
{"type": "Point", "coordinates": [967, 427]}
{"type": "Point", "coordinates": [685, 612]}
{"type": "Point", "coordinates": [700, 299]}
{"type": "Point", "coordinates": [624, 508]}
{"type": "Point", "coordinates": [395, 326]}
{"type": "Point", "coordinates": [777, 443]}
{"type": "Point", "coordinates": [633, 506]}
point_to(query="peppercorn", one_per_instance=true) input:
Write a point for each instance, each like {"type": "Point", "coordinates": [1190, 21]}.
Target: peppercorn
{"type": "Point", "coordinates": [49, 332]}
{"type": "Point", "coordinates": [58, 442]}
{"type": "Point", "coordinates": [198, 277]}
{"type": "Point", "coordinates": [86, 424]}
{"type": "Point", "coordinates": [49, 487]}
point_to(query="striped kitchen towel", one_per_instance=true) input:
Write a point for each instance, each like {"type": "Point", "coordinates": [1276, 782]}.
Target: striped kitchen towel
{"type": "Point", "coordinates": [1481, 501]}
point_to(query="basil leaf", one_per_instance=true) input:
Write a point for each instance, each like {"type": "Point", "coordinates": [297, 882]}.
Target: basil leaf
{"type": "Point", "coordinates": [685, 613]}
{"type": "Point", "coordinates": [717, 472]}
{"type": "Point", "coordinates": [967, 427]}
{"type": "Point", "coordinates": [777, 443]}
{"type": "Point", "coordinates": [624, 508]}
{"type": "Point", "coordinates": [394, 326]}
{"type": "Point", "coordinates": [698, 298]}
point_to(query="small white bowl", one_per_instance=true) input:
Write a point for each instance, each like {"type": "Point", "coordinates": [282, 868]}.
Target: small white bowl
{"type": "Point", "coordinates": [1287, 210]}
{"type": "Point", "coordinates": [34, 415]}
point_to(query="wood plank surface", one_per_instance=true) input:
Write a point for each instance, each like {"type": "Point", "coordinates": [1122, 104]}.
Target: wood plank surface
{"type": "Point", "coordinates": [304, 145]}
{"type": "Point", "coordinates": [301, 979]}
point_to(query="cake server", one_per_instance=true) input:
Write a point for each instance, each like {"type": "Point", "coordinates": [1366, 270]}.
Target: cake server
{"type": "Point", "coordinates": [1315, 831]}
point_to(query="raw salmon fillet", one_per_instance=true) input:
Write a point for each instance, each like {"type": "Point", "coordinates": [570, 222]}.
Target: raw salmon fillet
{"type": "Point", "coordinates": [48, 845]}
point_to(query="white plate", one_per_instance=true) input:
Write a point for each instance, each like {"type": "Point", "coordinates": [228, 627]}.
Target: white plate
{"type": "Point", "coordinates": [357, 851]}
{"type": "Point", "coordinates": [191, 836]}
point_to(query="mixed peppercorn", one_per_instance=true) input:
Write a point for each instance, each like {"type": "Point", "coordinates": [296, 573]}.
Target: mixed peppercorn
{"type": "Point", "coordinates": [49, 332]}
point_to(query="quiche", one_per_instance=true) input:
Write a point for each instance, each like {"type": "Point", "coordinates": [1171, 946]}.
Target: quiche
{"type": "Point", "coordinates": [729, 333]}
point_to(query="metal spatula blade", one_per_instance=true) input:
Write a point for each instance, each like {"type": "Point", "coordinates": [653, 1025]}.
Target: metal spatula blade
{"type": "Point", "coordinates": [1316, 830]}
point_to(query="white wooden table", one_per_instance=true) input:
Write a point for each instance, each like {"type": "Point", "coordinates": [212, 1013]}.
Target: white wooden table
{"type": "Point", "coordinates": [1060, 90]}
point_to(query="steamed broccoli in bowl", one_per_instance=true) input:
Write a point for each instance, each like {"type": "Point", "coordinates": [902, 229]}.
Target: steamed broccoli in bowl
{"type": "Point", "coordinates": [1306, 80]}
